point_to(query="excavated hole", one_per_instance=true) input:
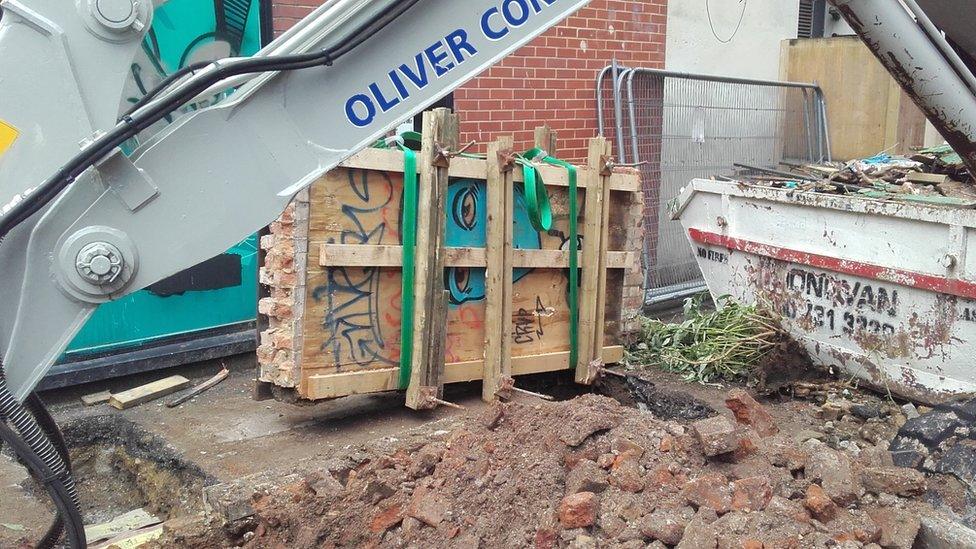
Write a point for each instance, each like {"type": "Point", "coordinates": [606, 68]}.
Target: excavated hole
{"type": "Point", "coordinates": [665, 404]}
{"type": "Point", "coordinates": [119, 466]}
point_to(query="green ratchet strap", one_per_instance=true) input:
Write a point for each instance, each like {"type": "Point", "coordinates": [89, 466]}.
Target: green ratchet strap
{"type": "Point", "coordinates": [536, 197]}
{"type": "Point", "coordinates": [544, 214]}
{"type": "Point", "coordinates": [408, 230]}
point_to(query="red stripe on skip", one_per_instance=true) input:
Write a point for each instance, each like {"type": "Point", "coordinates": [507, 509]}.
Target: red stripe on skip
{"type": "Point", "coordinates": [951, 286]}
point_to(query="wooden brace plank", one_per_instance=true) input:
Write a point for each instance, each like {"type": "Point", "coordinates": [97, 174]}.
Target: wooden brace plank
{"type": "Point", "coordinates": [498, 256]}
{"type": "Point", "coordinates": [601, 292]}
{"type": "Point", "coordinates": [380, 381]}
{"type": "Point", "coordinates": [474, 168]}
{"type": "Point", "coordinates": [590, 260]}
{"type": "Point", "coordinates": [356, 255]}
{"type": "Point", "coordinates": [441, 131]}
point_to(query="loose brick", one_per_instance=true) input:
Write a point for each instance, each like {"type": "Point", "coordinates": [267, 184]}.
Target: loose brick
{"type": "Point", "coordinates": [749, 412]}
{"type": "Point", "coordinates": [710, 490]}
{"type": "Point", "coordinates": [716, 435]}
{"type": "Point", "coordinates": [579, 510]}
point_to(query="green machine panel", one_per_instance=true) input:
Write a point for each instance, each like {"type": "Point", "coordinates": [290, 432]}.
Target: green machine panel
{"type": "Point", "coordinates": [220, 294]}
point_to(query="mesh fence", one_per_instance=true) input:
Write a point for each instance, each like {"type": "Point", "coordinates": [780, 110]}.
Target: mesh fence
{"type": "Point", "coordinates": [679, 127]}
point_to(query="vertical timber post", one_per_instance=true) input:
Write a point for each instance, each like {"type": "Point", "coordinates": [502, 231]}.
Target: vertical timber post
{"type": "Point", "coordinates": [498, 277]}
{"type": "Point", "coordinates": [593, 260]}
{"type": "Point", "coordinates": [440, 136]}
{"type": "Point", "coordinates": [545, 139]}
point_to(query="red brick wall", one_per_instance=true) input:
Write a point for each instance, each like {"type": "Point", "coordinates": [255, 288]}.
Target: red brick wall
{"type": "Point", "coordinates": [552, 79]}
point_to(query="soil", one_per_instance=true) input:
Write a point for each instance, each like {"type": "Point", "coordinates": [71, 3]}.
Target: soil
{"type": "Point", "coordinates": [117, 463]}
{"type": "Point", "coordinates": [590, 472]}
{"type": "Point", "coordinates": [364, 471]}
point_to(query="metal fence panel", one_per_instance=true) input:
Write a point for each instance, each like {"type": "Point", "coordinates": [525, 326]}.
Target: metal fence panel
{"type": "Point", "coordinates": [681, 126]}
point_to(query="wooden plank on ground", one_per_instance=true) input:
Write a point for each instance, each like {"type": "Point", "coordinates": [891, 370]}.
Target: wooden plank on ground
{"type": "Point", "coordinates": [355, 255]}
{"type": "Point", "coordinates": [474, 168]}
{"type": "Point", "coordinates": [440, 132]}
{"type": "Point", "coordinates": [326, 386]}
{"type": "Point", "coordinates": [590, 260]}
{"type": "Point", "coordinates": [150, 391]}
{"type": "Point", "coordinates": [133, 520]}
{"type": "Point", "coordinates": [498, 298]}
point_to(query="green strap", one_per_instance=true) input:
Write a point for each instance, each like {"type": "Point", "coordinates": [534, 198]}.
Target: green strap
{"type": "Point", "coordinates": [536, 197]}
{"type": "Point", "coordinates": [544, 213]}
{"type": "Point", "coordinates": [408, 228]}
{"type": "Point", "coordinates": [409, 143]}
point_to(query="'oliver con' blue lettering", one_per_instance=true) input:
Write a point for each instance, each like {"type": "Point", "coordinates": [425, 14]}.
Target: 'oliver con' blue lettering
{"type": "Point", "coordinates": [437, 60]}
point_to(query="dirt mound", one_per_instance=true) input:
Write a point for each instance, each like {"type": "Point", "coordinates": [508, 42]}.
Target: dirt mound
{"type": "Point", "coordinates": [585, 472]}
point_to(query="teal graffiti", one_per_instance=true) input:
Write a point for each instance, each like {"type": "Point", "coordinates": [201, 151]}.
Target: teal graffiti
{"type": "Point", "coordinates": [467, 223]}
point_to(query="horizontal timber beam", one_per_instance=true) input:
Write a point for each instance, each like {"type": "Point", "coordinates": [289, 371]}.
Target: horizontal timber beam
{"type": "Point", "coordinates": [377, 381]}
{"type": "Point", "coordinates": [357, 255]}
{"type": "Point", "coordinates": [388, 160]}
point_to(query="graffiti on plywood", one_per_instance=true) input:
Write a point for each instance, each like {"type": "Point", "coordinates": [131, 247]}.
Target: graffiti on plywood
{"type": "Point", "coordinates": [357, 309]}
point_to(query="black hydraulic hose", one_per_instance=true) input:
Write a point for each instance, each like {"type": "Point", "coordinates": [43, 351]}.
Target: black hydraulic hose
{"type": "Point", "coordinates": [51, 482]}
{"type": "Point", "coordinates": [41, 448]}
{"type": "Point", "coordinates": [132, 125]}
{"type": "Point", "coordinates": [166, 82]}
{"type": "Point", "coordinates": [35, 405]}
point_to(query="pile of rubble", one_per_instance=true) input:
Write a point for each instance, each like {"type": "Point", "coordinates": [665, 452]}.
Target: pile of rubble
{"type": "Point", "coordinates": [935, 176]}
{"type": "Point", "coordinates": [586, 472]}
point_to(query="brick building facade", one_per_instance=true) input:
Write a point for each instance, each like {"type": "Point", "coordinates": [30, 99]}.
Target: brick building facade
{"type": "Point", "coordinates": [551, 80]}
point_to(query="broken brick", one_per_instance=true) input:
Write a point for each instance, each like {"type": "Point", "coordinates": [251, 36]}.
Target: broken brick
{"type": "Point", "coordinates": [710, 490]}
{"type": "Point", "coordinates": [386, 519]}
{"type": "Point", "coordinates": [751, 494]}
{"type": "Point", "coordinates": [427, 507]}
{"type": "Point", "coordinates": [626, 473]}
{"type": "Point", "coordinates": [893, 480]}
{"type": "Point", "coordinates": [622, 445]}
{"type": "Point", "coordinates": [546, 538]}
{"type": "Point", "coordinates": [716, 435]}
{"type": "Point", "coordinates": [749, 412]}
{"type": "Point", "coordinates": [819, 504]}
{"type": "Point", "coordinates": [834, 471]}
{"type": "Point", "coordinates": [579, 510]}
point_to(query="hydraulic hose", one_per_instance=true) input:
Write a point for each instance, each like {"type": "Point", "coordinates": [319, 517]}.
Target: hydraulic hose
{"type": "Point", "coordinates": [35, 405]}
{"type": "Point", "coordinates": [34, 438]}
{"type": "Point", "coordinates": [54, 485]}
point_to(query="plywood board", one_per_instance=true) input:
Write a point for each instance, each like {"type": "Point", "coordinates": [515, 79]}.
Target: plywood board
{"type": "Point", "coordinates": [866, 109]}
